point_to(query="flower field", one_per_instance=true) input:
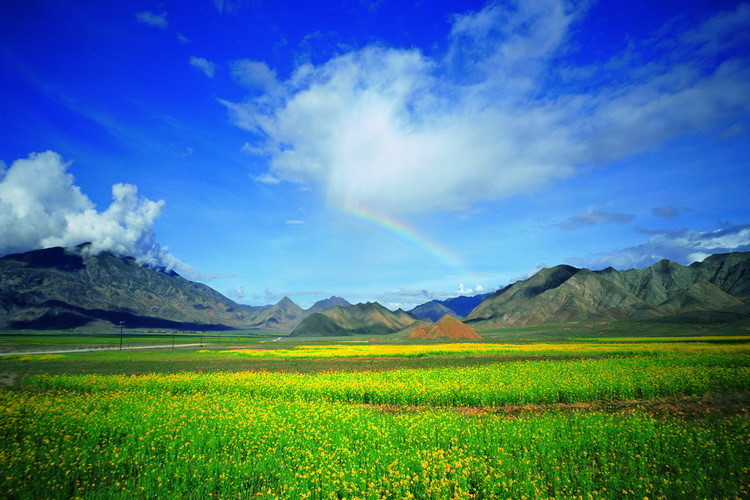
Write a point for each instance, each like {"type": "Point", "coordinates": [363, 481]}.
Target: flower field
{"type": "Point", "coordinates": [433, 433]}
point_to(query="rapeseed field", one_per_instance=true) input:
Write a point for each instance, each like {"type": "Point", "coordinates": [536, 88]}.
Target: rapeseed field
{"type": "Point", "coordinates": [437, 433]}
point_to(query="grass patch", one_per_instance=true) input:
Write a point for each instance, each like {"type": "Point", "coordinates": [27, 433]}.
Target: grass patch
{"type": "Point", "coordinates": [563, 419]}
{"type": "Point", "coordinates": [125, 444]}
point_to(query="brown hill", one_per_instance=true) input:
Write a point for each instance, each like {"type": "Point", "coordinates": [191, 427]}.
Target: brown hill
{"type": "Point", "coordinates": [448, 328]}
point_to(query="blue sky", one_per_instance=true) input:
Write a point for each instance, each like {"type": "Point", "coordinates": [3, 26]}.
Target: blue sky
{"type": "Point", "coordinates": [386, 150]}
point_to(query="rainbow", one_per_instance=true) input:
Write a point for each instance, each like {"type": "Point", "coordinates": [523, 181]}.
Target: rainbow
{"type": "Point", "coordinates": [406, 233]}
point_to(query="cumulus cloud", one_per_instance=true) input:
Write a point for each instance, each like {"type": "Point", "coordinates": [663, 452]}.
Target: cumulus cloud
{"type": "Point", "coordinates": [152, 19]}
{"type": "Point", "coordinates": [207, 67]}
{"type": "Point", "coordinates": [596, 218]}
{"type": "Point", "coordinates": [683, 246]}
{"type": "Point", "coordinates": [482, 121]}
{"type": "Point", "coordinates": [40, 207]}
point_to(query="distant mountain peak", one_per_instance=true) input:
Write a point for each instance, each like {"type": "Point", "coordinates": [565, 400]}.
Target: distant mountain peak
{"type": "Point", "coordinates": [332, 301]}
{"type": "Point", "coordinates": [369, 318]}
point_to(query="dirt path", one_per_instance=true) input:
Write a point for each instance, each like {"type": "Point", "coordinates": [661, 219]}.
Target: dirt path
{"type": "Point", "coordinates": [97, 349]}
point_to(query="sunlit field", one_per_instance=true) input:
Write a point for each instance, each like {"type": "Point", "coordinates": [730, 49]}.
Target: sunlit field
{"type": "Point", "coordinates": [574, 419]}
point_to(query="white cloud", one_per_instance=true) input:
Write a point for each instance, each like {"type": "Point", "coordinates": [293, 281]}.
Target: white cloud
{"type": "Point", "coordinates": [529, 274]}
{"type": "Point", "coordinates": [295, 222]}
{"type": "Point", "coordinates": [462, 290]}
{"type": "Point", "coordinates": [408, 298]}
{"type": "Point", "coordinates": [396, 130]}
{"type": "Point", "coordinates": [152, 19]}
{"type": "Point", "coordinates": [596, 218]}
{"type": "Point", "coordinates": [266, 179]}
{"type": "Point", "coordinates": [683, 246]}
{"type": "Point", "coordinates": [237, 292]}
{"type": "Point", "coordinates": [207, 67]}
{"type": "Point", "coordinates": [40, 207]}
{"type": "Point", "coordinates": [254, 74]}
{"type": "Point", "coordinates": [697, 256]}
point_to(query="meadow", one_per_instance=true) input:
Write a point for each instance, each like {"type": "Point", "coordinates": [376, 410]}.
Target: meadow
{"type": "Point", "coordinates": [617, 418]}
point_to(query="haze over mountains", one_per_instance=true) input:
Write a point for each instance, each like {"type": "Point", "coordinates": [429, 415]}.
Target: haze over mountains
{"type": "Point", "coordinates": [59, 288]}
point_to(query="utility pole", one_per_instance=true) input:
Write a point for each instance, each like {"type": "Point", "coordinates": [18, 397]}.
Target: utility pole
{"type": "Point", "coordinates": [121, 324]}
{"type": "Point", "coordinates": [173, 333]}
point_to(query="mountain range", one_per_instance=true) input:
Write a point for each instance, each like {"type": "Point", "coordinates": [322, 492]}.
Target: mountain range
{"type": "Point", "coordinates": [566, 293]}
{"type": "Point", "coordinates": [458, 307]}
{"type": "Point", "coordinates": [58, 288]}
{"type": "Point", "coordinates": [369, 318]}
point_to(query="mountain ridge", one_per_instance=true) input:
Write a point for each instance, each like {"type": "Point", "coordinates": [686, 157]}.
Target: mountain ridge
{"type": "Point", "coordinates": [66, 288]}
{"type": "Point", "coordinates": [369, 318]}
{"type": "Point", "coordinates": [565, 293]}
{"type": "Point", "coordinates": [458, 307]}
{"type": "Point", "coordinates": [57, 288]}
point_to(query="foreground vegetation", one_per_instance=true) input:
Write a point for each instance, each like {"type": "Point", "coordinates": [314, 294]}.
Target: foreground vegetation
{"type": "Point", "coordinates": [530, 382]}
{"type": "Point", "coordinates": [126, 443]}
{"type": "Point", "coordinates": [529, 421]}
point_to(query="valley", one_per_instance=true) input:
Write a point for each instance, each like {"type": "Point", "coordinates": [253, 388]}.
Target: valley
{"type": "Point", "coordinates": [569, 384]}
{"type": "Point", "coordinates": [301, 416]}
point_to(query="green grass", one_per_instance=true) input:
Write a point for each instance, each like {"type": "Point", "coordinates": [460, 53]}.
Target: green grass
{"type": "Point", "coordinates": [692, 325]}
{"type": "Point", "coordinates": [528, 382]}
{"type": "Point", "coordinates": [125, 444]}
{"type": "Point", "coordinates": [191, 424]}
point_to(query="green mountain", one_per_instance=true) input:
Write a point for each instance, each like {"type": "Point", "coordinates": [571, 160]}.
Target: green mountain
{"type": "Point", "coordinates": [565, 293]}
{"type": "Point", "coordinates": [360, 319]}
{"type": "Point", "coordinates": [59, 288]}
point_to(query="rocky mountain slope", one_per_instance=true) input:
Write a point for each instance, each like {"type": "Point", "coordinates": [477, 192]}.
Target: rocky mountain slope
{"type": "Point", "coordinates": [57, 288]}
{"type": "Point", "coordinates": [369, 318]}
{"type": "Point", "coordinates": [277, 317]}
{"type": "Point", "coordinates": [566, 293]}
